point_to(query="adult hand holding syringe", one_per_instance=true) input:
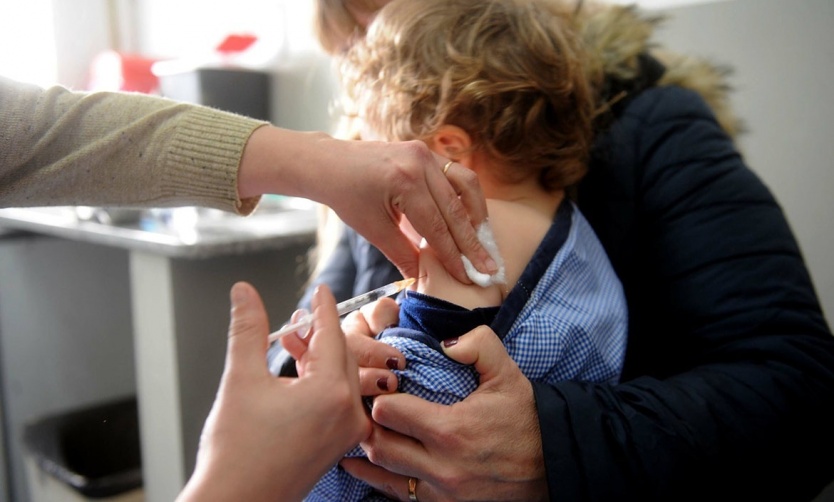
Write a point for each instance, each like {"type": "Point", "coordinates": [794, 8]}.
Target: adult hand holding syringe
{"type": "Point", "coordinates": [345, 307]}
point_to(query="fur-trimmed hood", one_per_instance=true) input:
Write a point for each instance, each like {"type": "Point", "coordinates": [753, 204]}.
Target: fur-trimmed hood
{"type": "Point", "coordinates": [618, 36]}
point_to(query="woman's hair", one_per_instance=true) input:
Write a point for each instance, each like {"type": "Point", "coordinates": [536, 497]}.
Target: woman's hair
{"type": "Point", "coordinates": [335, 22]}
{"type": "Point", "coordinates": [509, 72]}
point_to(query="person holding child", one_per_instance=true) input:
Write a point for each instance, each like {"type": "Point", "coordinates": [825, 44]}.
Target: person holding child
{"type": "Point", "coordinates": [726, 392]}
{"type": "Point", "coordinates": [506, 95]}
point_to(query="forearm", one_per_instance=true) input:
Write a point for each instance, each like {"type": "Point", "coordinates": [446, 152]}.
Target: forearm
{"type": "Point", "coordinates": [61, 147]}
{"type": "Point", "coordinates": [64, 148]}
{"type": "Point", "coordinates": [312, 165]}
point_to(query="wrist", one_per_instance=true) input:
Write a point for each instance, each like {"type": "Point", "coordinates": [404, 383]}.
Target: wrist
{"type": "Point", "coordinates": [282, 161]}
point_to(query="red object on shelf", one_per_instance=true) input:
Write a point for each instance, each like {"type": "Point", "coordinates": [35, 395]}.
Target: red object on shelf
{"type": "Point", "coordinates": [236, 43]}
{"type": "Point", "coordinates": [137, 75]}
{"type": "Point", "coordinates": [114, 71]}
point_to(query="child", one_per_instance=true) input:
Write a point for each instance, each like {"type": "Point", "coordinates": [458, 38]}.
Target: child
{"type": "Point", "coordinates": [499, 87]}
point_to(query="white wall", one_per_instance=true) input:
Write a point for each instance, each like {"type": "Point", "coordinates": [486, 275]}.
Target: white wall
{"type": "Point", "coordinates": [301, 74]}
{"type": "Point", "coordinates": [81, 32]}
{"type": "Point", "coordinates": [782, 52]}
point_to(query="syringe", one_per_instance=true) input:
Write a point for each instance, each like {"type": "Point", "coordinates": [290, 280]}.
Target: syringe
{"type": "Point", "coordinates": [346, 306]}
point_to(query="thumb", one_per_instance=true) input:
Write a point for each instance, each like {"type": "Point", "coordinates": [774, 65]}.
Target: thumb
{"type": "Point", "coordinates": [248, 330]}
{"type": "Point", "coordinates": [482, 348]}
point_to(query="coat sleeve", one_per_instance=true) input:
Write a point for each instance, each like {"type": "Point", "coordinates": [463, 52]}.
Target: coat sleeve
{"type": "Point", "coordinates": [728, 389]}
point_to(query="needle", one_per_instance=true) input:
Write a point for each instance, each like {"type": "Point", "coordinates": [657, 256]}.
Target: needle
{"type": "Point", "coordinates": [346, 306]}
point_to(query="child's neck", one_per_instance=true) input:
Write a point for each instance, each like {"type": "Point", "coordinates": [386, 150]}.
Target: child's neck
{"type": "Point", "coordinates": [528, 192]}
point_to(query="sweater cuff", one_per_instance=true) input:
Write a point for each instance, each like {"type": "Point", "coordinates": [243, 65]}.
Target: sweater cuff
{"type": "Point", "coordinates": [203, 158]}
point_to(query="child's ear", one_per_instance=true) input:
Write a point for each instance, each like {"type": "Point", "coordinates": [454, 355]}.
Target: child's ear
{"type": "Point", "coordinates": [452, 142]}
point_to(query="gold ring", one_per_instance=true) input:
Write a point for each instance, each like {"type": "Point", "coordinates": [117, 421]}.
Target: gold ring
{"type": "Point", "coordinates": [446, 167]}
{"type": "Point", "coordinates": [412, 482]}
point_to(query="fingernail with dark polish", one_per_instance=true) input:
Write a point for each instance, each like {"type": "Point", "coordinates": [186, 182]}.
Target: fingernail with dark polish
{"type": "Point", "coordinates": [392, 363]}
{"type": "Point", "coordinates": [382, 383]}
{"type": "Point", "coordinates": [450, 342]}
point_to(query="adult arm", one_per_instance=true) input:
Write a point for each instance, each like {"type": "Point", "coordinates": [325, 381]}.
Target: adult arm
{"type": "Point", "coordinates": [59, 147]}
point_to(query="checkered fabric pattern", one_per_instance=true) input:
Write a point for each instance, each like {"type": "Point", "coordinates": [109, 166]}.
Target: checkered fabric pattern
{"type": "Point", "coordinates": [572, 327]}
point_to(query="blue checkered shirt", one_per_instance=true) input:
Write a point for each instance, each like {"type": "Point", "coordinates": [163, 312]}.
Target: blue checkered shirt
{"type": "Point", "coordinates": [565, 319]}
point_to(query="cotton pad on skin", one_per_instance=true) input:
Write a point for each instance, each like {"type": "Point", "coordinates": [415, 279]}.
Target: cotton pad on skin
{"type": "Point", "coordinates": [487, 240]}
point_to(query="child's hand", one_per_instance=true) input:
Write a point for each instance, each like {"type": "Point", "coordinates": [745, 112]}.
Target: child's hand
{"type": "Point", "coordinates": [375, 359]}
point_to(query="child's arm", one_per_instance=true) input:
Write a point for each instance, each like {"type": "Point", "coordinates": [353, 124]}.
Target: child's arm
{"type": "Point", "coordinates": [518, 230]}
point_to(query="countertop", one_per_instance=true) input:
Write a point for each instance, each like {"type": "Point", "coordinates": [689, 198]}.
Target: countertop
{"type": "Point", "coordinates": [185, 232]}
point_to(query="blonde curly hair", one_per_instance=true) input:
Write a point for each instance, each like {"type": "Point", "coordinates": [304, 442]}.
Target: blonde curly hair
{"type": "Point", "coordinates": [511, 73]}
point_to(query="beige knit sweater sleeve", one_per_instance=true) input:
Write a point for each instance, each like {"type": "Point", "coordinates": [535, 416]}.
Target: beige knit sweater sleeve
{"type": "Point", "coordinates": [104, 149]}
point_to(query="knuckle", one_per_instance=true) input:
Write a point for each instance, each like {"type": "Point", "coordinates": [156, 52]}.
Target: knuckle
{"type": "Point", "coordinates": [368, 381]}
{"type": "Point", "coordinates": [470, 179]}
{"type": "Point", "coordinates": [412, 161]}
{"type": "Point", "coordinates": [388, 488]}
{"type": "Point", "coordinates": [365, 381]}
{"type": "Point", "coordinates": [359, 347]}
{"type": "Point", "coordinates": [342, 397]}
{"type": "Point", "coordinates": [451, 481]}
{"type": "Point", "coordinates": [374, 454]}
{"type": "Point", "coordinates": [457, 211]}
{"type": "Point", "coordinates": [447, 435]}
{"type": "Point", "coordinates": [419, 151]}
{"type": "Point", "coordinates": [470, 242]}
{"type": "Point", "coordinates": [356, 324]}
{"type": "Point", "coordinates": [383, 313]}
{"type": "Point", "coordinates": [466, 180]}
{"type": "Point", "coordinates": [437, 225]}
{"type": "Point", "coordinates": [353, 321]}
{"type": "Point", "coordinates": [242, 323]}
{"type": "Point", "coordinates": [380, 412]}
{"type": "Point", "coordinates": [481, 335]}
